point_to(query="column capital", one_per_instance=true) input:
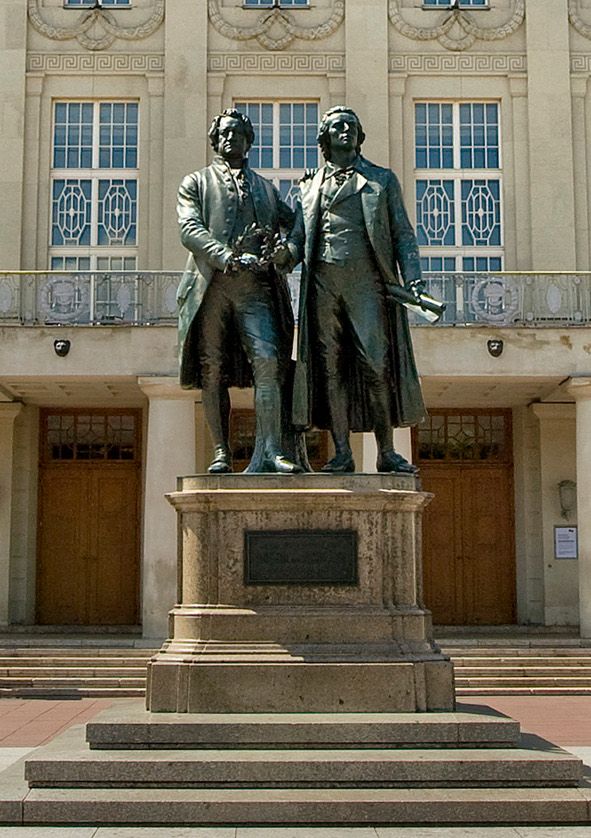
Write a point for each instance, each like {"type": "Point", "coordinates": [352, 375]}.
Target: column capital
{"type": "Point", "coordinates": [578, 86]}
{"type": "Point", "coordinates": [10, 410]}
{"type": "Point", "coordinates": [397, 84]}
{"type": "Point", "coordinates": [164, 387]}
{"type": "Point", "coordinates": [554, 410]}
{"type": "Point", "coordinates": [580, 387]}
{"type": "Point", "coordinates": [517, 86]}
{"type": "Point", "coordinates": [155, 84]}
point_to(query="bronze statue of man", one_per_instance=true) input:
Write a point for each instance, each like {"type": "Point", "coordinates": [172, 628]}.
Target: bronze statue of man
{"type": "Point", "coordinates": [356, 369]}
{"type": "Point", "coordinates": [235, 319]}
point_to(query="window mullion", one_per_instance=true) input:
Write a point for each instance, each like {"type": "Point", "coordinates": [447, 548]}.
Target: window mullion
{"type": "Point", "coordinates": [458, 209]}
{"type": "Point", "coordinates": [276, 135]}
{"type": "Point", "coordinates": [456, 134]}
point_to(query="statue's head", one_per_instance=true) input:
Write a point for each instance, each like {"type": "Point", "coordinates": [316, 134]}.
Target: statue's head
{"type": "Point", "coordinates": [340, 127]}
{"type": "Point", "coordinates": [231, 133]}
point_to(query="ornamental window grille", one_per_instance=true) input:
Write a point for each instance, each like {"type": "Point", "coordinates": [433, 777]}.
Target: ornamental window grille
{"type": "Point", "coordinates": [458, 186]}
{"type": "Point", "coordinates": [260, 4]}
{"type": "Point", "coordinates": [94, 185]}
{"type": "Point", "coordinates": [90, 435]}
{"type": "Point", "coordinates": [77, 4]}
{"type": "Point", "coordinates": [285, 141]}
{"type": "Point", "coordinates": [465, 436]}
{"type": "Point", "coordinates": [464, 4]}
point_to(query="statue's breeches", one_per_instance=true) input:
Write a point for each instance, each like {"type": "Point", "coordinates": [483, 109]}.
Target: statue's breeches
{"type": "Point", "coordinates": [240, 306]}
{"type": "Point", "coordinates": [348, 313]}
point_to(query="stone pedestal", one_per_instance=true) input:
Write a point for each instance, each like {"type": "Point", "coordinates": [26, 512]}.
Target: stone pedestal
{"type": "Point", "coordinates": [336, 624]}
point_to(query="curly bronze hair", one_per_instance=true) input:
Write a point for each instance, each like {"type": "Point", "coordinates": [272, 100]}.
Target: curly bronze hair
{"type": "Point", "coordinates": [214, 128]}
{"type": "Point", "coordinates": [322, 137]}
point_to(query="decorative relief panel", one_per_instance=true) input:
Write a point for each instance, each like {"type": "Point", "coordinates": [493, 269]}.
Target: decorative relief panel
{"type": "Point", "coordinates": [79, 63]}
{"type": "Point", "coordinates": [94, 28]}
{"type": "Point", "coordinates": [446, 63]}
{"type": "Point", "coordinates": [276, 28]}
{"type": "Point", "coordinates": [264, 62]}
{"type": "Point", "coordinates": [576, 18]}
{"type": "Point", "coordinates": [457, 29]}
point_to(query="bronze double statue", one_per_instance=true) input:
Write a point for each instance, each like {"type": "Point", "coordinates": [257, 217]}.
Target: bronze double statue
{"type": "Point", "coordinates": [355, 368]}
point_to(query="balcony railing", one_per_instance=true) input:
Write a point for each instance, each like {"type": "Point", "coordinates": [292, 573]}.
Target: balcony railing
{"type": "Point", "coordinates": [131, 298]}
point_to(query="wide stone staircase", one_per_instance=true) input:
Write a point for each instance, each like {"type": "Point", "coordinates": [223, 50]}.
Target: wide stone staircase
{"type": "Point", "coordinates": [132, 767]}
{"type": "Point", "coordinates": [103, 666]}
{"type": "Point", "coordinates": [68, 666]}
{"type": "Point", "coordinates": [517, 665]}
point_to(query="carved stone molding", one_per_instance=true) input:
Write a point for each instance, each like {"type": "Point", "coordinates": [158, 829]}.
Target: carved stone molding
{"type": "Point", "coordinates": [457, 29]}
{"type": "Point", "coordinates": [264, 62]}
{"type": "Point", "coordinates": [276, 28]}
{"type": "Point", "coordinates": [81, 63]}
{"type": "Point", "coordinates": [574, 16]}
{"type": "Point", "coordinates": [95, 29]}
{"type": "Point", "coordinates": [446, 63]}
{"type": "Point", "coordinates": [580, 63]}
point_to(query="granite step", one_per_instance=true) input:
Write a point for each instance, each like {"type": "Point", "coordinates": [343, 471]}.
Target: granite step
{"type": "Point", "coordinates": [530, 661]}
{"type": "Point", "coordinates": [81, 673]}
{"type": "Point", "coordinates": [305, 806]}
{"type": "Point", "coordinates": [466, 692]}
{"type": "Point", "coordinates": [519, 681]}
{"type": "Point", "coordinates": [129, 726]}
{"type": "Point", "coordinates": [71, 767]}
{"type": "Point", "coordinates": [73, 692]}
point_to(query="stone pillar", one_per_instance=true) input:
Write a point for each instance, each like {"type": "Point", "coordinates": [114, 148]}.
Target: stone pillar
{"type": "Point", "coordinates": [397, 88]}
{"type": "Point", "coordinates": [580, 388]}
{"type": "Point", "coordinates": [366, 35]}
{"type": "Point", "coordinates": [155, 168]}
{"type": "Point", "coordinates": [8, 413]}
{"type": "Point", "coordinates": [550, 136]}
{"type": "Point", "coordinates": [185, 110]}
{"type": "Point", "coordinates": [557, 462]}
{"type": "Point", "coordinates": [579, 92]}
{"type": "Point", "coordinates": [13, 44]}
{"type": "Point", "coordinates": [520, 150]}
{"type": "Point", "coordinates": [170, 452]}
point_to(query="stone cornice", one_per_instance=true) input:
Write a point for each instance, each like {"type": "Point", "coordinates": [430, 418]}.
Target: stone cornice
{"type": "Point", "coordinates": [455, 63]}
{"type": "Point", "coordinates": [82, 63]}
{"type": "Point", "coordinates": [320, 63]}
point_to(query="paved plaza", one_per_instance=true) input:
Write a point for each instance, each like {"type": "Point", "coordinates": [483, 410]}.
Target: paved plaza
{"type": "Point", "coordinates": [26, 724]}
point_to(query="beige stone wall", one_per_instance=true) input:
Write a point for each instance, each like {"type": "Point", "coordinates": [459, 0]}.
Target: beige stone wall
{"type": "Point", "coordinates": [183, 65]}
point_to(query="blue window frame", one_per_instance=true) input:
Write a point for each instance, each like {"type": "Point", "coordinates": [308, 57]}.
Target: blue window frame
{"type": "Point", "coordinates": [459, 185]}
{"type": "Point", "coordinates": [94, 183]}
{"type": "Point", "coordinates": [285, 141]}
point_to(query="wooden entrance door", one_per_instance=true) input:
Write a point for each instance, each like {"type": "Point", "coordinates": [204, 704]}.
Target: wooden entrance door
{"type": "Point", "coordinates": [88, 545]}
{"type": "Point", "coordinates": [468, 542]}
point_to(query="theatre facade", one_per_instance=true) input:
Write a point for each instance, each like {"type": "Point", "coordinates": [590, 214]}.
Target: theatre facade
{"type": "Point", "coordinates": [483, 109]}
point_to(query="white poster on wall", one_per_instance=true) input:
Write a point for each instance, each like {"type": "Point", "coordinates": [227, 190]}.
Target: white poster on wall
{"type": "Point", "coordinates": [565, 543]}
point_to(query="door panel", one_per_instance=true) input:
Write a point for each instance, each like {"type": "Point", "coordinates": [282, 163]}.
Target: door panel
{"type": "Point", "coordinates": [63, 547]}
{"type": "Point", "coordinates": [88, 550]}
{"type": "Point", "coordinates": [469, 564]}
{"type": "Point", "coordinates": [441, 538]}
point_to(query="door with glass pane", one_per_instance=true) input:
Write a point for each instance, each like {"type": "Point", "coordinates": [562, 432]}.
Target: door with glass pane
{"type": "Point", "coordinates": [468, 534]}
{"type": "Point", "coordinates": [88, 540]}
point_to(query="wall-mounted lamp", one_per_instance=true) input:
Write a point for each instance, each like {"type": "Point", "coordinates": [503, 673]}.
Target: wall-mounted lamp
{"type": "Point", "coordinates": [567, 494]}
{"type": "Point", "coordinates": [495, 347]}
{"type": "Point", "coordinates": [61, 347]}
